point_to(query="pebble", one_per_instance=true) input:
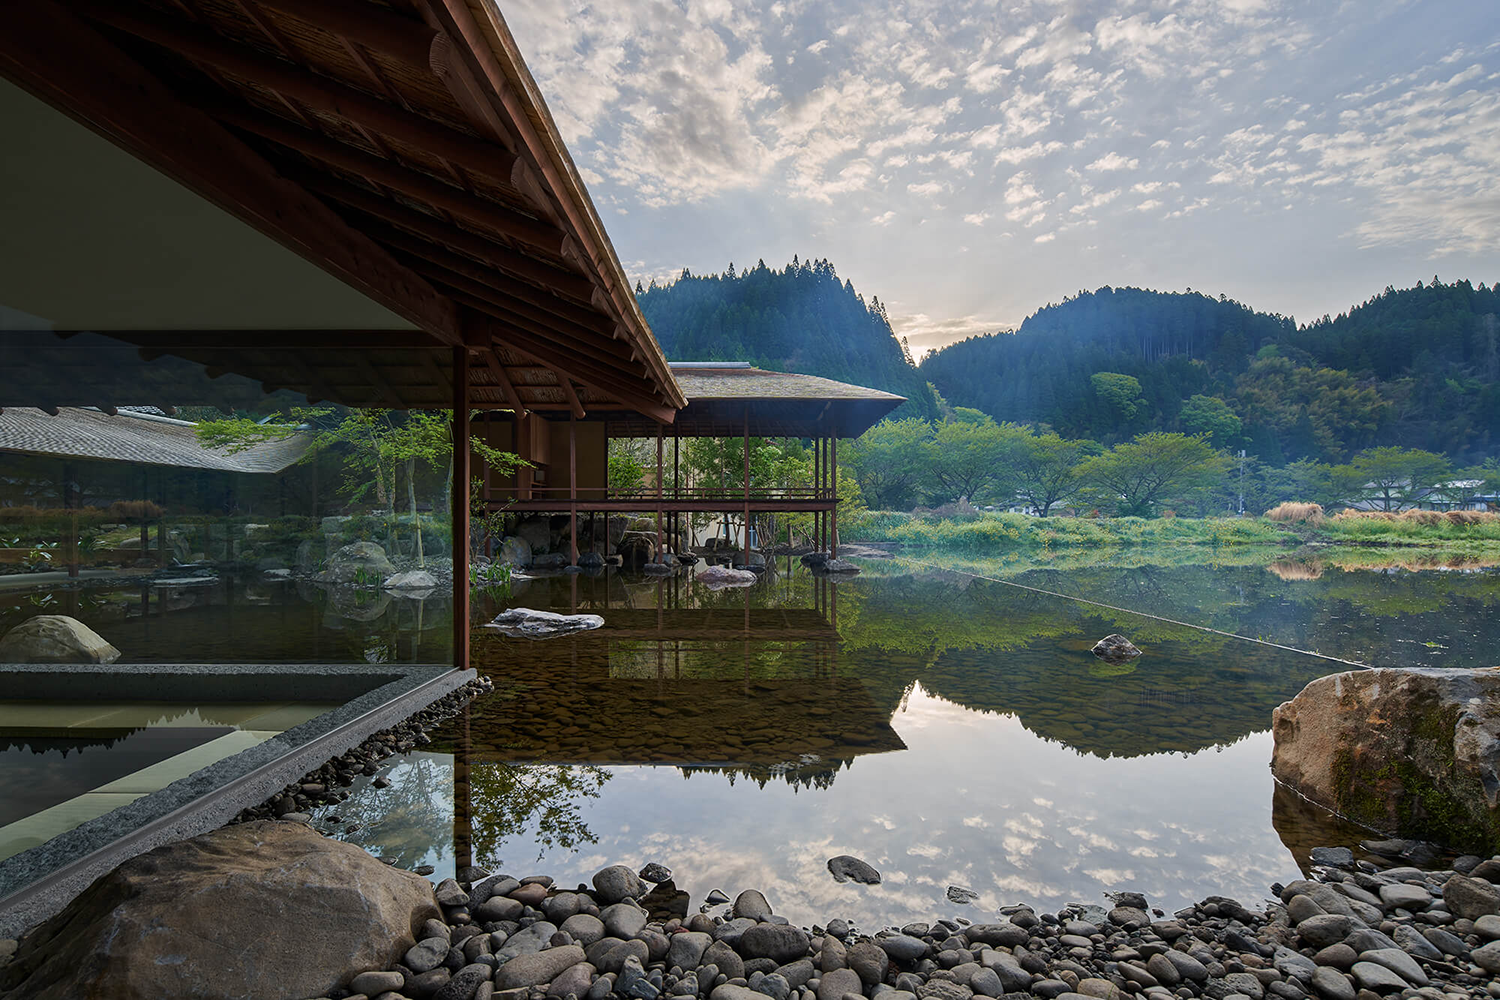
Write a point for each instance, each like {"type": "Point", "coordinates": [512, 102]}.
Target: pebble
{"type": "Point", "coordinates": [1359, 934]}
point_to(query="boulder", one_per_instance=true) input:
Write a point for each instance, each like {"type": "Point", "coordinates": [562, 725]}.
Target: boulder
{"type": "Point", "coordinates": [55, 639]}
{"type": "Point", "coordinates": [837, 566]}
{"type": "Point", "coordinates": [412, 579]}
{"type": "Point", "coordinates": [1115, 649]}
{"type": "Point", "coordinates": [265, 909]}
{"type": "Point", "coordinates": [524, 623]}
{"type": "Point", "coordinates": [1414, 753]}
{"type": "Point", "coordinates": [357, 562]}
{"type": "Point", "coordinates": [514, 552]}
{"type": "Point", "coordinates": [719, 577]}
{"type": "Point", "coordinates": [536, 532]}
{"type": "Point", "coordinates": [846, 868]}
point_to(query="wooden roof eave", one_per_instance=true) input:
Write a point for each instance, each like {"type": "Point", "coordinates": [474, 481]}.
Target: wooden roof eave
{"type": "Point", "coordinates": [72, 65]}
{"type": "Point", "coordinates": [480, 24]}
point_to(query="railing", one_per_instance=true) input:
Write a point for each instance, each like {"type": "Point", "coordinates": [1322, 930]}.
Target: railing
{"type": "Point", "coordinates": [649, 495]}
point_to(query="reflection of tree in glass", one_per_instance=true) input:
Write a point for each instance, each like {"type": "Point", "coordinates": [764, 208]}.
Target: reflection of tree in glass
{"type": "Point", "coordinates": [538, 802]}
{"type": "Point", "coordinates": [406, 820]}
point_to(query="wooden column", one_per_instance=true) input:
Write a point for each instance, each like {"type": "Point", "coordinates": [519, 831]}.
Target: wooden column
{"type": "Point", "coordinates": [833, 489]}
{"type": "Point", "coordinates": [463, 826]}
{"type": "Point", "coordinates": [461, 507]}
{"type": "Point", "coordinates": [747, 485]}
{"type": "Point", "coordinates": [573, 483]}
{"type": "Point", "coordinates": [658, 491]}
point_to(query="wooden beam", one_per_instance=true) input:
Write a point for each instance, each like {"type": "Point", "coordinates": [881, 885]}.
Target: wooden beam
{"type": "Point", "coordinates": [572, 397]}
{"type": "Point", "coordinates": [586, 346]}
{"type": "Point", "coordinates": [386, 31]}
{"type": "Point", "coordinates": [436, 230]}
{"type": "Point", "coordinates": [487, 329]}
{"type": "Point", "coordinates": [314, 90]}
{"type": "Point", "coordinates": [65, 62]}
{"type": "Point", "coordinates": [478, 211]}
{"type": "Point", "coordinates": [425, 258]}
{"type": "Point", "coordinates": [582, 365]}
{"type": "Point", "coordinates": [497, 370]}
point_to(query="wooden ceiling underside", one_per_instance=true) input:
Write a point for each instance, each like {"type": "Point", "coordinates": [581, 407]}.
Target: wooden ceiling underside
{"type": "Point", "coordinates": [402, 147]}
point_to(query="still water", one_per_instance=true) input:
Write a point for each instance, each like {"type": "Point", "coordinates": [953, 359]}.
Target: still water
{"type": "Point", "coordinates": [948, 729]}
{"type": "Point", "coordinates": [924, 716]}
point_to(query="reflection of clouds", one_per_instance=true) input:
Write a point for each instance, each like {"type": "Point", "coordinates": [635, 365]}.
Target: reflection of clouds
{"type": "Point", "coordinates": [1062, 827]}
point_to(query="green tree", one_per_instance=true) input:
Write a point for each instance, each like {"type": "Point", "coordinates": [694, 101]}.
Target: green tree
{"type": "Point", "coordinates": [1138, 478]}
{"type": "Point", "coordinates": [375, 444]}
{"type": "Point", "coordinates": [1390, 478]}
{"type": "Point", "coordinates": [965, 460]}
{"type": "Point", "coordinates": [1304, 481]}
{"type": "Point", "coordinates": [1043, 469]}
{"type": "Point", "coordinates": [889, 462]}
{"type": "Point", "coordinates": [1119, 393]}
{"type": "Point", "coordinates": [1212, 416]}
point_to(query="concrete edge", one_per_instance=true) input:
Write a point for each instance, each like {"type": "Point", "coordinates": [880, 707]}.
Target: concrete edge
{"type": "Point", "coordinates": [39, 882]}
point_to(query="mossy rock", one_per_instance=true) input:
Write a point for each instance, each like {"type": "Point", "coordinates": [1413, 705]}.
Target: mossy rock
{"type": "Point", "coordinates": [1413, 753]}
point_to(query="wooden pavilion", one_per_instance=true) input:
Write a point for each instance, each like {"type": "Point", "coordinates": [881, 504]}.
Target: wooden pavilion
{"type": "Point", "coordinates": [365, 203]}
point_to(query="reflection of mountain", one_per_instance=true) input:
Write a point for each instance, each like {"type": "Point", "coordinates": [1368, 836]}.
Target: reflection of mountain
{"type": "Point", "coordinates": [999, 649]}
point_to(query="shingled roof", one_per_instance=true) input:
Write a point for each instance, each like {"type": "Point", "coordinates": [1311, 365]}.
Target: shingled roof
{"type": "Point", "coordinates": [722, 396]}
{"type": "Point", "coordinates": [136, 437]}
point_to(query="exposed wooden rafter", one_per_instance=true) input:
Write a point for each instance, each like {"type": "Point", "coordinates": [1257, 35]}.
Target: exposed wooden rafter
{"type": "Point", "coordinates": [312, 89]}
{"type": "Point", "coordinates": [63, 60]}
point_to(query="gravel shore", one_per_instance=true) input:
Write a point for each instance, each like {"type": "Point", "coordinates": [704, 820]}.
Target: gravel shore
{"type": "Point", "coordinates": [1353, 933]}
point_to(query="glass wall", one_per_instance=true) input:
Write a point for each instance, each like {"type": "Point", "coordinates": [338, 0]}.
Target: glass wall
{"type": "Point", "coordinates": [250, 527]}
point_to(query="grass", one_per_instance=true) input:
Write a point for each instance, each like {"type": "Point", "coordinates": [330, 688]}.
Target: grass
{"type": "Point", "coordinates": [1018, 531]}
{"type": "Point", "coordinates": [1287, 525]}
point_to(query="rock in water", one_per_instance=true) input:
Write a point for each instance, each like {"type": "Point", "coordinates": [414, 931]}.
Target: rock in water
{"type": "Point", "coordinates": [719, 577]}
{"type": "Point", "coordinates": [1425, 770]}
{"type": "Point", "coordinates": [837, 566]}
{"type": "Point", "coordinates": [958, 894]}
{"type": "Point", "coordinates": [655, 873]}
{"type": "Point", "coordinates": [849, 869]}
{"type": "Point", "coordinates": [524, 623]}
{"type": "Point", "coordinates": [55, 639]}
{"type": "Point", "coordinates": [358, 562]}
{"type": "Point", "coordinates": [1115, 649]}
{"type": "Point", "coordinates": [412, 579]}
{"type": "Point", "coordinates": [262, 909]}
{"type": "Point", "coordinates": [514, 552]}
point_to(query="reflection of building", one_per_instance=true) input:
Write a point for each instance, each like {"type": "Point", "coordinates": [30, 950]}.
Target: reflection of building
{"type": "Point", "coordinates": [752, 692]}
{"type": "Point", "coordinates": [102, 466]}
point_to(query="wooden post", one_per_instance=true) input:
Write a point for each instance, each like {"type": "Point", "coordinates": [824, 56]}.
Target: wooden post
{"type": "Point", "coordinates": [573, 483]}
{"type": "Point", "coordinates": [461, 508]}
{"type": "Point", "coordinates": [747, 485]}
{"type": "Point", "coordinates": [463, 827]}
{"type": "Point", "coordinates": [658, 491]}
{"type": "Point", "coordinates": [833, 489]}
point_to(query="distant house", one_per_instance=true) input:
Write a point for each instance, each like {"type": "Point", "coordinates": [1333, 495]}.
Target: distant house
{"type": "Point", "coordinates": [1455, 494]}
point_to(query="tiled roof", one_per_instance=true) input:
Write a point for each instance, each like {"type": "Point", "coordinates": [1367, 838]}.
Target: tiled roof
{"type": "Point", "coordinates": [135, 437]}
{"type": "Point", "coordinates": [737, 382]}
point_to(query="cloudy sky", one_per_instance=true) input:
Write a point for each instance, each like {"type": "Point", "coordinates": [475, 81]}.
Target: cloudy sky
{"type": "Point", "coordinates": [969, 161]}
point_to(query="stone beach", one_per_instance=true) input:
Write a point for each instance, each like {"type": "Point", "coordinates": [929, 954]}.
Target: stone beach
{"type": "Point", "coordinates": [1354, 933]}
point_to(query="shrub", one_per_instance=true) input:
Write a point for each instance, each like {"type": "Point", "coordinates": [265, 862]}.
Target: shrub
{"type": "Point", "coordinates": [1297, 513]}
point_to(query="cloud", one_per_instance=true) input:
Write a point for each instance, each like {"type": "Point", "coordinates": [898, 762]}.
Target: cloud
{"type": "Point", "coordinates": [1114, 161]}
{"type": "Point", "coordinates": [977, 218]}
{"type": "Point", "coordinates": [1045, 238]}
{"type": "Point", "coordinates": [883, 219]}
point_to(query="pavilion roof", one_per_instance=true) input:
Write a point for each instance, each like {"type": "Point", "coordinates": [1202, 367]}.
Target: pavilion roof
{"type": "Point", "coordinates": [723, 396]}
{"type": "Point", "coordinates": [132, 436]}
{"type": "Point", "coordinates": [402, 147]}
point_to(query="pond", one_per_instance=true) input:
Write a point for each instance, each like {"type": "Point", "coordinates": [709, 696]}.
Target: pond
{"type": "Point", "coordinates": [927, 717]}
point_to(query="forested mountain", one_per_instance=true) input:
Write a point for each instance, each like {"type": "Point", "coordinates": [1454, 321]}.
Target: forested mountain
{"type": "Point", "coordinates": [1417, 367]}
{"type": "Point", "coordinates": [801, 318]}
